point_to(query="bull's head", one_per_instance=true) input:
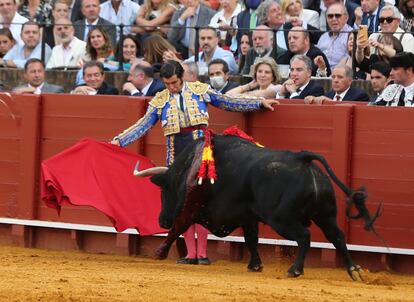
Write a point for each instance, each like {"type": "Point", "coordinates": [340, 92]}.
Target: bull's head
{"type": "Point", "coordinates": [160, 177]}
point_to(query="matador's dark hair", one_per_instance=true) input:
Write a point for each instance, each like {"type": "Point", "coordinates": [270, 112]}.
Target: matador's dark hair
{"type": "Point", "coordinates": [170, 69]}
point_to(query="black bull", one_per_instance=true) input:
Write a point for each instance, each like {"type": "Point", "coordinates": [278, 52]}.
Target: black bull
{"type": "Point", "coordinates": [282, 189]}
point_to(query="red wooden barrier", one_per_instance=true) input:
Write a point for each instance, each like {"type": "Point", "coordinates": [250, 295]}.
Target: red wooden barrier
{"type": "Point", "coordinates": [383, 157]}
{"type": "Point", "coordinates": [365, 146]}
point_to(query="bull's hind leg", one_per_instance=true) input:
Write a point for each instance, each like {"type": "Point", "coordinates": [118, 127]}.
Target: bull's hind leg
{"type": "Point", "coordinates": [332, 232]}
{"type": "Point", "coordinates": [294, 231]}
{"type": "Point", "coordinates": [251, 238]}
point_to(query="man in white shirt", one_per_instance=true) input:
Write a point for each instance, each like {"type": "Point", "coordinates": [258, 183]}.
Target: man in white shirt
{"type": "Point", "coordinates": [11, 19]}
{"type": "Point", "coordinates": [210, 50]}
{"type": "Point", "coordinates": [71, 51]}
{"type": "Point", "coordinates": [32, 47]}
{"type": "Point", "coordinates": [120, 12]}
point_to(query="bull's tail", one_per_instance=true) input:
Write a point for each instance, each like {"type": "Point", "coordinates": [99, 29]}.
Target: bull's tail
{"type": "Point", "coordinates": [355, 197]}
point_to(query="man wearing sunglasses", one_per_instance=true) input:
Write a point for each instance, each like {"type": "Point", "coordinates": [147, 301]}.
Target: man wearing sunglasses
{"type": "Point", "coordinates": [402, 73]}
{"type": "Point", "coordinates": [390, 23]}
{"type": "Point", "coordinates": [334, 43]}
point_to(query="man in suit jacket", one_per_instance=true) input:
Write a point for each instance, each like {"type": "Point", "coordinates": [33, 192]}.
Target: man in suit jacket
{"type": "Point", "coordinates": [262, 47]}
{"type": "Point", "coordinates": [90, 10]}
{"type": "Point", "coordinates": [72, 49]}
{"type": "Point", "coordinates": [368, 14]}
{"type": "Point", "coordinates": [75, 10]}
{"type": "Point", "coordinates": [299, 44]}
{"type": "Point", "coordinates": [342, 76]}
{"type": "Point", "coordinates": [341, 88]}
{"type": "Point", "coordinates": [219, 74]}
{"type": "Point", "coordinates": [299, 85]}
{"type": "Point", "coordinates": [94, 77]}
{"type": "Point", "coordinates": [193, 14]}
{"type": "Point", "coordinates": [247, 19]}
{"type": "Point", "coordinates": [270, 14]}
{"type": "Point", "coordinates": [34, 74]}
{"type": "Point", "coordinates": [141, 81]}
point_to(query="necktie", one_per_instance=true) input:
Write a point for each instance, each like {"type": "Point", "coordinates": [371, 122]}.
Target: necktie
{"type": "Point", "coordinates": [371, 27]}
{"type": "Point", "coordinates": [338, 97]}
{"type": "Point", "coordinates": [253, 20]}
{"type": "Point", "coordinates": [87, 30]}
{"type": "Point", "coordinates": [181, 102]}
{"type": "Point", "coordinates": [295, 94]}
{"type": "Point", "coordinates": [401, 99]}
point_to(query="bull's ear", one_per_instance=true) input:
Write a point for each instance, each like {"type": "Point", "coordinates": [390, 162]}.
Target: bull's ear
{"type": "Point", "coordinates": [159, 179]}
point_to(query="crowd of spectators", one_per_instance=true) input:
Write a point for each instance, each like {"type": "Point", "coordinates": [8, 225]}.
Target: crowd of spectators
{"type": "Point", "coordinates": [266, 40]}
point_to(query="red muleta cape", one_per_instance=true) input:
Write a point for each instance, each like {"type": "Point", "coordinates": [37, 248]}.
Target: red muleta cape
{"type": "Point", "coordinates": [99, 174]}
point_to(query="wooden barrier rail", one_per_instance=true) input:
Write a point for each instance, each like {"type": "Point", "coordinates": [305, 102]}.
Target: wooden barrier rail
{"type": "Point", "coordinates": [365, 145]}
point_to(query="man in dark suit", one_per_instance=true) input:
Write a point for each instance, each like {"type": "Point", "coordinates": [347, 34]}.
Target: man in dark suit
{"type": "Point", "coordinates": [219, 74]}
{"type": "Point", "coordinates": [141, 81]}
{"type": "Point", "coordinates": [247, 19]}
{"type": "Point", "coordinates": [299, 85]}
{"type": "Point", "coordinates": [34, 74]}
{"type": "Point", "coordinates": [299, 44]}
{"type": "Point", "coordinates": [368, 14]}
{"type": "Point", "coordinates": [341, 88]}
{"type": "Point", "coordinates": [90, 10]}
{"type": "Point", "coordinates": [270, 14]}
{"type": "Point", "coordinates": [193, 14]}
{"type": "Point", "coordinates": [94, 77]}
{"type": "Point", "coordinates": [262, 47]}
{"type": "Point", "coordinates": [75, 10]}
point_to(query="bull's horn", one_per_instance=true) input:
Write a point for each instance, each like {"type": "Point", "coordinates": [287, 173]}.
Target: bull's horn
{"type": "Point", "coordinates": [150, 171]}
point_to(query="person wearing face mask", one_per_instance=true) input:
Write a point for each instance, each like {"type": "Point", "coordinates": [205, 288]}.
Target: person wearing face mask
{"type": "Point", "coordinates": [219, 74]}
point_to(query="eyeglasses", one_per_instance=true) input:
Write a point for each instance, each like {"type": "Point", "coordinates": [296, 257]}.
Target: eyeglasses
{"type": "Point", "coordinates": [387, 19]}
{"type": "Point", "coordinates": [336, 16]}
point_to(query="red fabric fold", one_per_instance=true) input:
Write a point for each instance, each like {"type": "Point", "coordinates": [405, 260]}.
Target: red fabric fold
{"type": "Point", "coordinates": [99, 175]}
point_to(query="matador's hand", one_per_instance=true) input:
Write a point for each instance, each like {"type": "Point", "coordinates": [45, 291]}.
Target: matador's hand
{"type": "Point", "coordinates": [268, 104]}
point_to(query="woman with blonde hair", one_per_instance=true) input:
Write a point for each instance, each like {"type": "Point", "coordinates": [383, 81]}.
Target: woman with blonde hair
{"type": "Point", "coordinates": [294, 11]}
{"type": "Point", "coordinates": [265, 76]}
{"type": "Point", "coordinates": [152, 15]}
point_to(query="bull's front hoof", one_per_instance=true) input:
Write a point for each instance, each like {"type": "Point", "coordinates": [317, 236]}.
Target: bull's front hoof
{"type": "Point", "coordinates": [256, 268]}
{"type": "Point", "coordinates": [294, 272]}
{"type": "Point", "coordinates": [161, 252]}
{"type": "Point", "coordinates": [356, 273]}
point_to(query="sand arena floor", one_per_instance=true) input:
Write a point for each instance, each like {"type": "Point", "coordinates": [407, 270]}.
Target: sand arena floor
{"type": "Point", "coordinates": [41, 275]}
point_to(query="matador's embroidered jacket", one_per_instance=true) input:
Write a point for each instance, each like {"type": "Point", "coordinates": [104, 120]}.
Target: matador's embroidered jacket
{"type": "Point", "coordinates": [197, 96]}
{"type": "Point", "coordinates": [391, 95]}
